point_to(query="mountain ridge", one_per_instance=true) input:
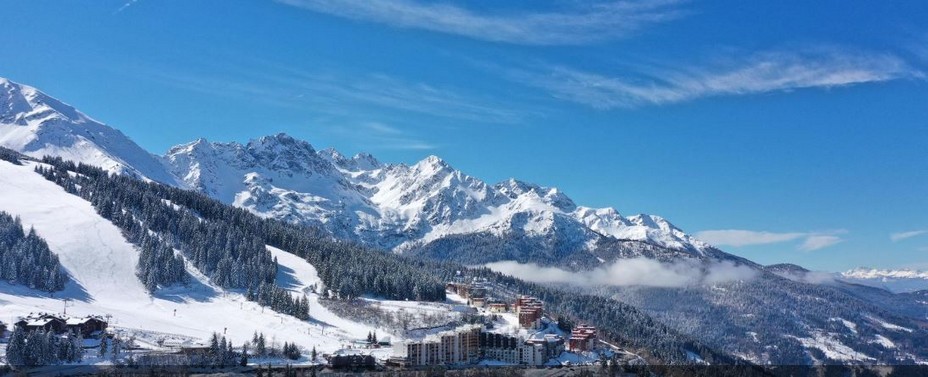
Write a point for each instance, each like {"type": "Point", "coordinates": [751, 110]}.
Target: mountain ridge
{"type": "Point", "coordinates": [392, 206]}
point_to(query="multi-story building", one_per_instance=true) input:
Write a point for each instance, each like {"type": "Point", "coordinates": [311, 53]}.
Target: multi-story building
{"type": "Point", "coordinates": [551, 345]}
{"type": "Point", "coordinates": [530, 310]}
{"type": "Point", "coordinates": [582, 338]}
{"type": "Point", "coordinates": [460, 346]}
{"type": "Point", "coordinates": [513, 350]}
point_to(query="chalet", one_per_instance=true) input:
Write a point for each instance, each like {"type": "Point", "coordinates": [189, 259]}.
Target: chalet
{"type": "Point", "coordinates": [86, 326]}
{"type": "Point", "coordinates": [42, 321]}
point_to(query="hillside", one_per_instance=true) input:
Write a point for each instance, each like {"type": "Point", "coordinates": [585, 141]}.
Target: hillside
{"type": "Point", "coordinates": [102, 265]}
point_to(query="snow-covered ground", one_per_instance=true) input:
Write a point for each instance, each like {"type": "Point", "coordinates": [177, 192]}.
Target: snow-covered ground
{"type": "Point", "coordinates": [832, 347]}
{"type": "Point", "coordinates": [102, 265]}
{"type": "Point", "coordinates": [890, 326]}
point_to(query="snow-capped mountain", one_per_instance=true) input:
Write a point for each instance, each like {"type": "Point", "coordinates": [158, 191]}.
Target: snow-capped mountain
{"type": "Point", "coordinates": [398, 206]}
{"type": "Point", "coordinates": [36, 124]}
{"type": "Point", "coordinates": [392, 206]}
{"type": "Point", "coordinates": [904, 280]}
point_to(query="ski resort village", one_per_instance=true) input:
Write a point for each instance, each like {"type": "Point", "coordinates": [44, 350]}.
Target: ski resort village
{"type": "Point", "coordinates": [479, 325]}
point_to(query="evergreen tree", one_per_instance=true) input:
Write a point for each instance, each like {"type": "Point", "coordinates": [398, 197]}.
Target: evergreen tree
{"type": "Point", "coordinates": [78, 346]}
{"type": "Point", "coordinates": [16, 348]}
{"type": "Point", "coordinates": [103, 346]}
{"type": "Point", "coordinates": [260, 346]}
{"type": "Point", "coordinates": [116, 348]}
{"type": "Point", "coordinates": [222, 353]}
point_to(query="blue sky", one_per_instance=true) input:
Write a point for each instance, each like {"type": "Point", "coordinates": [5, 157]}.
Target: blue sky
{"type": "Point", "coordinates": [788, 131]}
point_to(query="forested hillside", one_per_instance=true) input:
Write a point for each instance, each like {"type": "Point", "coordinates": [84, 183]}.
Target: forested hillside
{"type": "Point", "coordinates": [25, 258]}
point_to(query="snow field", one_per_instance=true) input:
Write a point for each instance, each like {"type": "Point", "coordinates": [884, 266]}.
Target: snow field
{"type": "Point", "coordinates": [101, 264]}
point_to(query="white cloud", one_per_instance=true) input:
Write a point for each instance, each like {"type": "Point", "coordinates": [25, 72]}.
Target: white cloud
{"type": "Point", "coordinates": [738, 237]}
{"type": "Point", "coordinates": [819, 241]}
{"type": "Point", "coordinates": [341, 95]}
{"type": "Point", "coordinates": [378, 135]}
{"type": "Point", "coordinates": [584, 23]}
{"type": "Point", "coordinates": [629, 272]}
{"type": "Point", "coordinates": [125, 6]}
{"type": "Point", "coordinates": [896, 237]}
{"type": "Point", "coordinates": [758, 73]}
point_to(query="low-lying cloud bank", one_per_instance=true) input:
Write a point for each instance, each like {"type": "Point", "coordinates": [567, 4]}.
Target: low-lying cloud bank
{"type": "Point", "coordinates": [628, 272]}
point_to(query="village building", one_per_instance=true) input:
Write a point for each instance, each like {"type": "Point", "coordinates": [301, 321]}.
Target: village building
{"type": "Point", "coordinates": [460, 346]}
{"type": "Point", "coordinates": [42, 321]}
{"type": "Point", "coordinates": [550, 345]}
{"type": "Point", "coordinates": [88, 326]}
{"type": "Point", "coordinates": [352, 361]}
{"type": "Point", "coordinates": [498, 307]}
{"type": "Point", "coordinates": [514, 350]}
{"type": "Point", "coordinates": [475, 289]}
{"type": "Point", "coordinates": [582, 338]}
{"type": "Point", "coordinates": [529, 310]}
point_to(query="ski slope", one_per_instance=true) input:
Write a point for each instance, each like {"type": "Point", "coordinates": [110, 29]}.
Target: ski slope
{"type": "Point", "coordinates": [102, 263]}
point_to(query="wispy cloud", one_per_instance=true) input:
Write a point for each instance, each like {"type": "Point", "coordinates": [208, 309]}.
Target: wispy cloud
{"type": "Point", "coordinates": [758, 73]}
{"type": "Point", "coordinates": [819, 241]}
{"type": "Point", "coordinates": [353, 96]}
{"type": "Point", "coordinates": [380, 136]}
{"type": "Point", "coordinates": [737, 238]}
{"type": "Point", "coordinates": [896, 237]}
{"type": "Point", "coordinates": [580, 24]}
{"type": "Point", "coordinates": [125, 6]}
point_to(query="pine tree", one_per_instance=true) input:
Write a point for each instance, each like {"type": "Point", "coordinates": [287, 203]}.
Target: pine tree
{"type": "Point", "coordinates": [230, 354]}
{"type": "Point", "coordinates": [260, 346]}
{"type": "Point", "coordinates": [103, 347]}
{"type": "Point", "coordinates": [117, 347]}
{"type": "Point", "coordinates": [243, 360]}
{"type": "Point", "coordinates": [35, 349]}
{"type": "Point", "coordinates": [15, 350]}
{"type": "Point", "coordinates": [78, 348]}
{"type": "Point", "coordinates": [222, 354]}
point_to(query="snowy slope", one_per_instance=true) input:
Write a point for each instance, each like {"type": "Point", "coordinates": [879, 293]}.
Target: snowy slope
{"type": "Point", "coordinates": [102, 265]}
{"type": "Point", "coordinates": [36, 124]}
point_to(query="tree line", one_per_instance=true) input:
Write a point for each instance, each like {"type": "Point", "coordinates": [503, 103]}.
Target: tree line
{"type": "Point", "coordinates": [26, 259]}
{"type": "Point", "coordinates": [34, 348]}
